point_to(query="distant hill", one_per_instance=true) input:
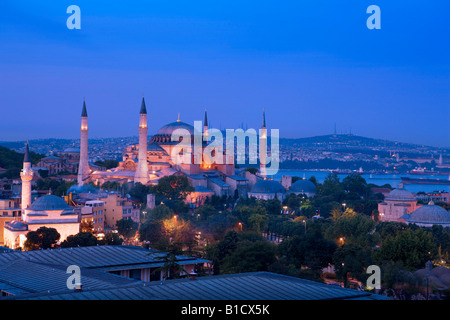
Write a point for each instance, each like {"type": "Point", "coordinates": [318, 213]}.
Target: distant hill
{"type": "Point", "coordinates": [13, 161]}
{"type": "Point", "coordinates": [348, 143]}
{"type": "Point", "coordinates": [349, 140]}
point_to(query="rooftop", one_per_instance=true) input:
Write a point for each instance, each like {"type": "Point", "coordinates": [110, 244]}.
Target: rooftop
{"type": "Point", "coordinates": [245, 286]}
{"type": "Point", "coordinates": [429, 214]}
{"type": "Point", "coordinates": [268, 186]}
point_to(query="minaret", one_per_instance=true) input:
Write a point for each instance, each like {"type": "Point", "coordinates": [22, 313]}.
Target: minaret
{"type": "Point", "coordinates": [205, 126]}
{"type": "Point", "coordinates": [26, 175]}
{"type": "Point", "coordinates": [141, 174]}
{"type": "Point", "coordinates": [83, 166]}
{"type": "Point", "coordinates": [263, 147]}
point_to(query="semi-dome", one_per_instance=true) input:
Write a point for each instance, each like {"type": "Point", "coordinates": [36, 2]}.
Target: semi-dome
{"type": "Point", "coordinates": [400, 194]}
{"type": "Point", "coordinates": [430, 214]}
{"type": "Point", "coordinates": [268, 186]}
{"type": "Point", "coordinates": [49, 202]}
{"type": "Point", "coordinates": [303, 186]}
{"type": "Point", "coordinates": [16, 225]}
{"type": "Point", "coordinates": [72, 150]}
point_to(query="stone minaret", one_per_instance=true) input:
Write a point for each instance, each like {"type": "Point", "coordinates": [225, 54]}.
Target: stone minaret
{"type": "Point", "coordinates": [263, 147]}
{"type": "Point", "coordinates": [83, 166]}
{"type": "Point", "coordinates": [26, 175]}
{"type": "Point", "coordinates": [141, 174]}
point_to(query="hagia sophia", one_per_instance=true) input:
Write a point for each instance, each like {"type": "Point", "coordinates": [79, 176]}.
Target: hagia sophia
{"type": "Point", "coordinates": [149, 161]}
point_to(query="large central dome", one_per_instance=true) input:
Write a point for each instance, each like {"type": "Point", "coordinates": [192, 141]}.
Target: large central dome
{"type": "Point", "coordinates": [164, 134]}
{"type": "Point", "coordinates": [168, 129]}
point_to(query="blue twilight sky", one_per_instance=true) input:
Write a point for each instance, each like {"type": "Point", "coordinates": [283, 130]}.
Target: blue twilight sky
{"type": "Point", "coordinates": [310, 64]}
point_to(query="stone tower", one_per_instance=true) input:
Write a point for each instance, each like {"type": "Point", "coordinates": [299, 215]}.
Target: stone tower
{"type": "Point", "coordinates": [83, 167]}
{"type": "Point", "coordinates": [26, 175]}
{"type": "Point", "coordinates": [263, 148]}
{"type": "Point", "coordinates": [141, 174]}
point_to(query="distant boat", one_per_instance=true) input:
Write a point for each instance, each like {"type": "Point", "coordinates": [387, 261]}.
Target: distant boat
{"type": "Point", "coordinates": [423, 171]}
{"type": "Point", "coordinates": [425, 181]}
{"type": "Point", "coordinates": [347, 171]}
{"type": "Point", "coordinates": [420, 170]}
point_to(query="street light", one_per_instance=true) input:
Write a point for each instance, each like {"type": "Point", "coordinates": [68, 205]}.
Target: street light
{"type": "Point", "coordinates": [344, 204]}
{"type": "Point", "coordinates": [240, 225]}
{"type": "Point", "coordinates": [304, 221]}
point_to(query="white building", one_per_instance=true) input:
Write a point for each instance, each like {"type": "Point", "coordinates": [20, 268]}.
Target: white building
{"type": "Point", "coordinates": [48, 211]}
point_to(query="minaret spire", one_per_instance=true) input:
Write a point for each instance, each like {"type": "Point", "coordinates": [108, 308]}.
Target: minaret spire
{"type": "Point", "coordinates": [27, 157]}
{"type": "Point", "coordinates": [205, 126]}
{"type": "Point", "coordinates": [143, 107]}
{"type": "Point", "coordinates": [84, 111]}
{"type": "Point", "coordinates": [264, 119]}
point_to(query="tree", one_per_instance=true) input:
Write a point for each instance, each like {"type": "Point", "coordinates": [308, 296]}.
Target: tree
{"type": "Point", "coordinates": [273, 206]}
{"type": "Point", "coordinates": [204, 212]}
{"type": "Point", "coordinates": [390, 228]}
{"type": "Point", "coordinates": [151, 230]}
{"type": "Point", "coordinates": [218, 224]}
{"type": "Point", "coordinates": [127, 228]}
{"type": "Point", "coordinates": [355, 183]}
{"type": "Point", "coordinates": [139, 192]}
{"type": "Point", "coordinates": [173, 187]}
{"type": "Point", "coordinates": [252, 170]}
{"type": "Point", "coordinates": [310, 250]}
{"type": "Point", "coordinates": [351, 260]}
{"type": "Point", "coordinates": [357, 230]}
{"type": "Point", "coordinates": [171, 269]}
{"type": "Point", "coordinates": [216, 252]}
{"type": "Point", "coordinates": [111, 239]}
{"type": "Point", "coordinates": [331, 186]}
{"type": "Point", "coordinates": [110, 186]}
{"type": "Point", "coordinates": [337, 213]}
{"type": "Point", "coordinates": [184, 233]}
{"type": "Point", "coordinates": [108, 164]}
{"type": "Point", "coordinates": [42, 238]}
{"type": "Point", "coordinates": [160, 212]}
{"type": "Point", "coordinates": [306, 209]}
{"type": "Point", "coordinates": [258, 222]}
{"type": "Point", "coordinates": [412, 248]}
{"type": "Point", "coordinates": [293, 201]}
{"type": "Point", "coordinates": [81, 239]}
{"type": "Point", "coordinates": [250, 257]}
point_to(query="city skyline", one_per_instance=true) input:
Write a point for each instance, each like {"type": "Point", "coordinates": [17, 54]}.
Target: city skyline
{"type": "Point", "coordinates": [311, 66]}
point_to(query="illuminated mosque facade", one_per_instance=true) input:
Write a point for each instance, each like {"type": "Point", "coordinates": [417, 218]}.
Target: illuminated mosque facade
{"type": "Point", "coordinates": [151, 159]}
